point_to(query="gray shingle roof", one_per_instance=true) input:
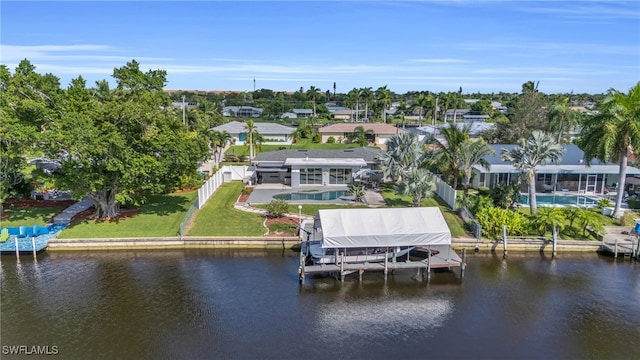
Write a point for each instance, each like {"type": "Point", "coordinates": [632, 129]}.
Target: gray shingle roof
{"type": "Point", "coordinates": [368, 154]}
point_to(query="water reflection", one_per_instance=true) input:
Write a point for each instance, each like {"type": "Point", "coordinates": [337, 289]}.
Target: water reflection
{"type": "Point", "coordinates": [248, 304]}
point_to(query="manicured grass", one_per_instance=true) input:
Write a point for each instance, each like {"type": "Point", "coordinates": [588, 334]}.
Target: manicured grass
{"type": "Point", "coordinates": [30, 216]}
{"type": "Point", "coordinates": [312, 209]}
{"type": "Point", "coordinates": [219, 218]}
{"type": "Point", "coordinates": [159, 216]}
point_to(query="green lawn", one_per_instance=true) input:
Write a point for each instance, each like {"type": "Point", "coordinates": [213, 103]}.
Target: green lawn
{"type": "Point", "coordinates": [219, 218]}
{"type": "Point", "coordinates": [30, 216]}
{"type": "Point", "coordinates": [159, 216]}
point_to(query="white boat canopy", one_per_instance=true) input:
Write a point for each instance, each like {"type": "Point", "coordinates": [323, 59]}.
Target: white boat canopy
{"type": "Point", "coordinates": [383, 227]}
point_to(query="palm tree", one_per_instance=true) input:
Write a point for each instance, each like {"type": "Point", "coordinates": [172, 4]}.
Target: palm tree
{"type": "Point", "coordinates": [447, 152]}
{"type": "Point", "coordinates": [357, 192]}
{"type": "Point", "coordinates": [366, 94]}
{"type": "Point", "coordinates": [353, 99]}
{"type": "Point", "coordinates": [419, 184]}
{"type": "Point", "coordinates": [219, 140]}
{"type": "Point", "coordinates": [538, 149]}
{"type": "Point", "coordinates": [547, 218]}
{"type": "Point", "coordinates": [312, 94]}
{"type": "Point", "coordinates": [251, 130]}
{"type": "Point", "coordinates": [404, 152]}
{"type": "Point", "coordinates": [614, 134]}
{"type": "Point", "coordinates": [384, 99]}
{"type": "Point", "coordinates": [472, 153]}
{"type": "Point", "coordinates": [420, 103]}
{"type": "Point", "coordinates": [562, 119]}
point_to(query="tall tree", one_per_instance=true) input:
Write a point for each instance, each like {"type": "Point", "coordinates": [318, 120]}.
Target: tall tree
{"type": "Point", "coordinates": [383, 96]}
{"type": "Point", "coordinates": [562, 119]}
{"type": "Point", "coordinates": [312, 94]}
{"type": "Point", "coordinates": [538, 149]}
{"type": "Point", "coordinates": [614, 134]}
{"type": "Point", "coordinates": [122, 149]}
{"type": "Point", "coordinates": [366, 94]}
{"type": "Point", "coordinates": [353, 100]}
{"type": "Point", "coordinates": [252, 133]}
{"type": "Point", "coordinates": [472, 153]}
{"type": "Point", "coordinates": [446, 152]}
{"type": "Point", "coordinates": [219, 140]}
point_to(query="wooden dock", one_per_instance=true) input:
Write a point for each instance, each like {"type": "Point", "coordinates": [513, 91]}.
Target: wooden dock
{"type": "Point", "coordinates": [620, 247]}
{"type": "Point", "coordinates": [434, 257]}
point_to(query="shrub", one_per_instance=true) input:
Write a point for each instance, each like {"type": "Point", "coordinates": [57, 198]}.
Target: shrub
{"type": "Point", "coordinates": [491, 219]}
{"type": "Point", "coordinates": [317, 138]}
{"type": "Point", "coordinates": [277, 208]}
{"type": "Point", "coordinates": [231, 158]}
{"type": "Point", "coordinates": [331, 140]}
{"type": "Point", "coordinates": [604, 202]}
{"type": "Point", "coordinates": [247, 190]}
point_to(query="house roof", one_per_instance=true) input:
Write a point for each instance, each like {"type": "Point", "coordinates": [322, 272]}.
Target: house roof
{"type": "Point", "coordinates": [367, 154]}
{"type": "Point", "coordinates": [377, 128]}
{"type": "Point", "coordinates": [572, 162]}
{"type": "Point", "coordinates": [237, 127]}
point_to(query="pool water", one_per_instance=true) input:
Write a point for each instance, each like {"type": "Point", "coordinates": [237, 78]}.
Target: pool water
{"type": "Point", "coordinates": [317, 196]}
{"type": "Point", "coordinates": [546, 199]}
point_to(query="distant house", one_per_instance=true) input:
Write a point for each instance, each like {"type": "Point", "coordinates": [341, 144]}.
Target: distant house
{"type": "Point", "coordinates": [241, 111]}
{"type": "Point", "coordinates": [571, 173]}
{"type": "Point", "coordinates": [464, 115]}
{"type": "Point", "coordinates": [288, 115]}
{"type": "Point", "coordinates": [270, 132]}
{"type": "Point", "coordinates": [303, 113]}
{"type": "Point", "coordinates": [343, 114]}
{"type": "Point", "coordinates": [377, 133]}
{"type": "Point", "coordinates": [474, 127]}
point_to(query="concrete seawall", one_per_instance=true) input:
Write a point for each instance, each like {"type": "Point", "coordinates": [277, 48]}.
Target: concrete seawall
{"type": "Point", "coordinates": [259, 242]}
{"type": "Point", "coordinates": [220, 242]}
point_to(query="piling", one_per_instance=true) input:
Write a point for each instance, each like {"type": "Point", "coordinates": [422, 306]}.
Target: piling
{"type": "Point", "coordinates": [17, 250]}
{"type": "Point", "coordinates": [463, 264]}
{"type": "Point", "coordinates": [504, 240]}
{"type": "Point", "coordinates": [615, 249]}
{"type": "Point", "coordinates": [555, 242]}
{"type": "Point", "coordinates": [429, 263]}
{"type": "Point", "coordinates": [33, 244]}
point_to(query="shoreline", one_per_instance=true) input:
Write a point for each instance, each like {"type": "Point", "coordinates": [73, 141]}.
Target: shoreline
{"type": "Point", "coordinates": [258, 242]}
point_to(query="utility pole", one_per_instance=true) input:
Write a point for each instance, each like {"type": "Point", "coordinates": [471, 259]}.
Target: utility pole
{"type": "Point", "coordinates": [254, 85]}
{"type": "Point", "coordinates": [184, 112]}
{"type": "Point", "coordinates": [435, 111]}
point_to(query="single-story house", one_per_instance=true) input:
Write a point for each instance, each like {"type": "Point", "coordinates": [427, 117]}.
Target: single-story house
{"type": "Point", "coordinates": [303, 113]}
{"type": "Point", "coordinates": [343, 114]}
{"type": "Point", "coordinates": [270, 132]}
{"type": "Point", "coordinates": [571, 173]}
{"type": "Point", "coordinates": [474, 127]}
{"type": "Point", "coordinates": [241, 111]}
{"type": "Point", "coordinates": [377, 133]}
{"type": "Point", "coordinates": [300, 168]}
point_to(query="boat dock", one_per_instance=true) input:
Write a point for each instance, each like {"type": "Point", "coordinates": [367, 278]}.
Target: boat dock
{"type": "Point", "coordinates": [423, 259]}
{"type": "Point", "coordinates": [620, 247]}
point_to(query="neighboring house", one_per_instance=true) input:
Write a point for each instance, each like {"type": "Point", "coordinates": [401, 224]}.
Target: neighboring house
{"type": "Point", "coordinates": [300, 168]}
{"type": "Point", "coordinates": [571, 173]}
{"type": "Point", "coordinates": [303, 113]}
{"type": "Point", "coordinates": [377, 133]}
{"type": "Point", "coordinates": [241, 111]}
{"type": "Point", "coordinates": [343, 114]}
{"type": "Point", "coordinates": [270, 132]}
{"type": "Point", "coordinates": [288, 115]}
{"type": "Point", "coordinates": [464, 115]}
{"type": "Point", "coordinates": [474, 127]}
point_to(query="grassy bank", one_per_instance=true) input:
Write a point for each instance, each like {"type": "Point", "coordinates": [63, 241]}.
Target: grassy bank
{"type": "Point", "coordinates": [159, 216]}
{"type": "Point", "coordinates": [219, 218]}
{"type": "Point", "coordinates": [29, 216]}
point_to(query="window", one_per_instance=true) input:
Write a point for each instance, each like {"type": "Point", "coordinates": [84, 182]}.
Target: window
{"type": "Point", "coordinates": [339, 176]}
{"type": "Point", "coordinates": [310, 176]}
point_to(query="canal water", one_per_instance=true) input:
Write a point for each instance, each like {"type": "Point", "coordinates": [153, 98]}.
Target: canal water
{"type": "Point", "coordinates": [211, 304]}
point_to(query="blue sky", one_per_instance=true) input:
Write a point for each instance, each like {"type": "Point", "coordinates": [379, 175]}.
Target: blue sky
{"type": "Point", "coordinates": [485, 46]}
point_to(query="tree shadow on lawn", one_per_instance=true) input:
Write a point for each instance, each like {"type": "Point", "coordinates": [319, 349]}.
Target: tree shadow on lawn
{"type": "Point", "coordinates": [165, 205]}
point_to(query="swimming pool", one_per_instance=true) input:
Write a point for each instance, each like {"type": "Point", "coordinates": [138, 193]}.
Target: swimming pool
{"type": "Point", "coordinates": [316, 196]}
{"type": "Point", "coordinates": [564, 200]}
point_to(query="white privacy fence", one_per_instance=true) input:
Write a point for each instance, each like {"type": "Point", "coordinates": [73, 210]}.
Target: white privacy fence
{"type": "Point", "coordinates": [446, 193]}
{"type": "Point", "coordinates": [224, 174]}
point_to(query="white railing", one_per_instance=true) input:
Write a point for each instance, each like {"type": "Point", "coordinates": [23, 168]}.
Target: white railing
{"type": "Point", "coordinates": [226, 173]}
{"type": "Point", "coordinates": [446, 192]}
